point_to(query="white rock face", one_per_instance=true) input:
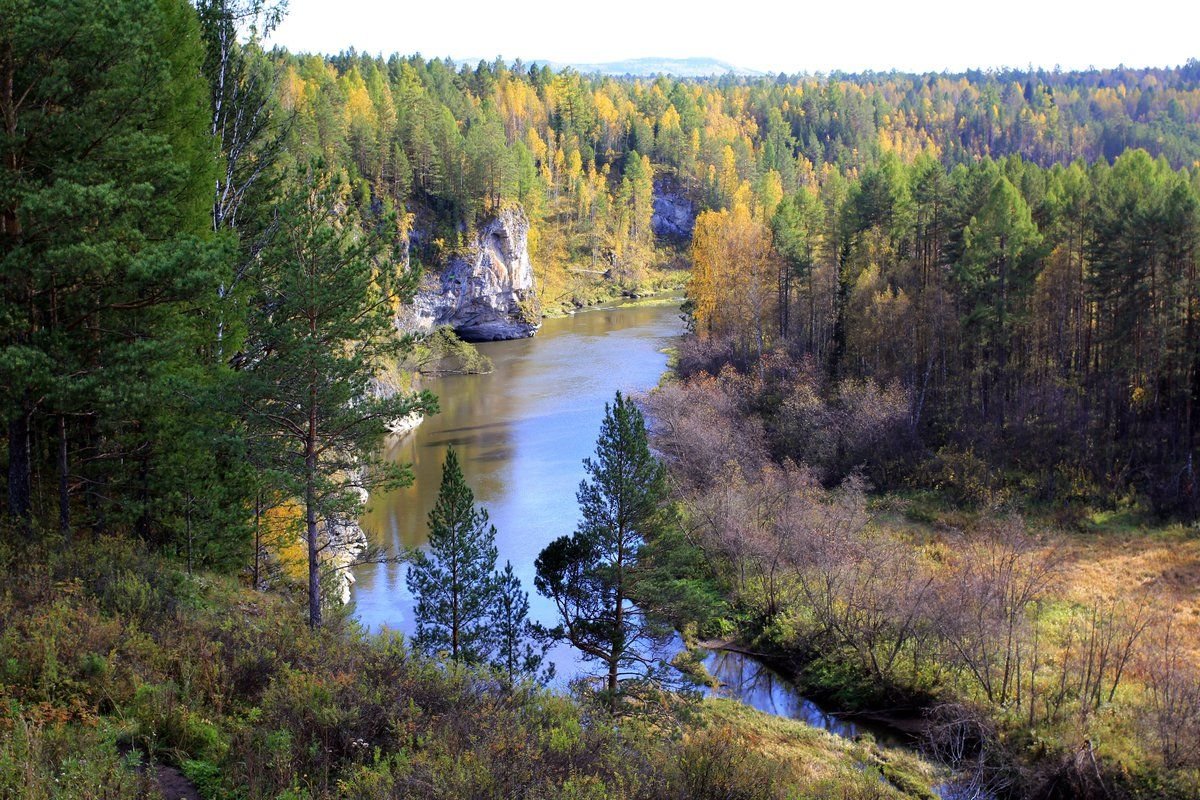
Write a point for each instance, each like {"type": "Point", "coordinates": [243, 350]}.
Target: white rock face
{"type": "Point", "coordinates": [345, 541]}
{"type": "Point", "coordinates": [486, 293]}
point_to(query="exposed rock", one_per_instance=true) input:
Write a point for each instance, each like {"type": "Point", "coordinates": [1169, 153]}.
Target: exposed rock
{"type": "Point", "coordinates": [345, 540]}
{"type": "Point", "coordinates": [486, 292]}
{"type": "Point", "coordinates": [674, 215]}
{"type": "Point", "coordinates": [387, 385]}
{"type": "Point", "coordinates": [405, 425]}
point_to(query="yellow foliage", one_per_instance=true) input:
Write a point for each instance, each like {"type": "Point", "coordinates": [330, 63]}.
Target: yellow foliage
{"type": "Point", "coordinates": [734, 270]}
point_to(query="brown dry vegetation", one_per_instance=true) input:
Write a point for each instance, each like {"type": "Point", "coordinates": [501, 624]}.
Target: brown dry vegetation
{"type": "Point", "coordinates": [1049, 657]}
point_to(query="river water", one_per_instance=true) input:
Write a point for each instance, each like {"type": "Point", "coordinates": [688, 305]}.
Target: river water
{"type": "Point", "coordinates": [521, 433]}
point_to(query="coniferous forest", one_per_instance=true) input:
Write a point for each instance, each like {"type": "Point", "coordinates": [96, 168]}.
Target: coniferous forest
{"type": "Point", "coordinates": [927, 446]}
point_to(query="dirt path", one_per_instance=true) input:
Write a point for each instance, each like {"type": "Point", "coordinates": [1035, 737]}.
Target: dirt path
{"type": "Point", "coordinates": [174, 786]}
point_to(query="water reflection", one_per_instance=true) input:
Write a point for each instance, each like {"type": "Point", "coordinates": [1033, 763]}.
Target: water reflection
{"type": "Point", "coordinates": [521, 433]}
{"type": "Point", "coordinates": [743, 677]}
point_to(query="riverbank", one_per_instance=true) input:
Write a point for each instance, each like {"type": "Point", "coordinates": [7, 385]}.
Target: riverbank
{"type": "Point", "coordinates": [936, 704]}
{"type": "Point", "coordinates": [599, 293]}
{"type": "Point", "coordinates": [114, 658]}
{"type": "Point", "coordinates": [1032, 650]}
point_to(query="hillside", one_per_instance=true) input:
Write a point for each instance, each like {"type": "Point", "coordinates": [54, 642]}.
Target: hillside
{"type": "Point", "coordinates": [117, 663]}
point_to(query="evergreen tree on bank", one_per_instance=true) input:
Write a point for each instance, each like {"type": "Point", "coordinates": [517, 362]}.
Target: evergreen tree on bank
{"type": "Point", "coordinates": [454, 583]}
{"type": "Point", "coordinates": [591, 575]}
{"type": "Point", "coordinates": [464, 607]}
{"type": "Point", "coordinates": [517, 655]}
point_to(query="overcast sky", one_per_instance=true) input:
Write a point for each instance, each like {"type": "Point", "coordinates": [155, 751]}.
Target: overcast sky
{"type": "Point", "coordinates": [770, 35]}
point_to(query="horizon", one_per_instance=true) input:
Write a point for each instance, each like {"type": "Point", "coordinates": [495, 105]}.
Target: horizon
{"type": "Point", "coordinates": [934, 37]}
{"type": "Point", "coordinates": [738, 70]}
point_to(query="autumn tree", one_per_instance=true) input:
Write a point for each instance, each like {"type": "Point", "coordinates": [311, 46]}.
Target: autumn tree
{"type": "Point", "coordinates": [734, 278]}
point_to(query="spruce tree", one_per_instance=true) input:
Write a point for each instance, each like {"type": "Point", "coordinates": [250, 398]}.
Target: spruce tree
{"type": "Point", "coordinates": [591, 574]}
{"type": "Point", "coordinates": [454, 583]}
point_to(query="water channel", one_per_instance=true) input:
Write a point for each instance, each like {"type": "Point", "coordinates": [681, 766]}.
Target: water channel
{"type": "Point", "coordinates": [521, 433]}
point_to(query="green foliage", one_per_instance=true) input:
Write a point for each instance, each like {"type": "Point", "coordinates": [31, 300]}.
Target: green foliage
{"type": "Point", "coordinates": [41, 760]}
{"type": "Point", "coordinates": [465, 609]}
{"type": "Point", "coordinates": [591, 575]}
{"type": "Point", "coordinates": [321, 328]}
{"type": "Point", "coordinates": [677, 579]}
{"type": "Point", "coordinates": [516, 656]}
{"type": "Point", "coordinates": [443, 352]}
{"type": "Point", "coordinates": [108, 273]}
{"type": "Point", "coordinates": [454, 583]}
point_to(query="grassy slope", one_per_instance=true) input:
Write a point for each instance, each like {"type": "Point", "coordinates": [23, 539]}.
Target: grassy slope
{"type": "Point", "coordinates": [110, 656]}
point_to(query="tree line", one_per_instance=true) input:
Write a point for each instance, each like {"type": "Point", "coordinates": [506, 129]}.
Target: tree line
{"type": "Point", "coordinates": [1041, 268]}
{"type": "Point", "coordinates": [190, 322]}
{"type": "Point", "coordinates": [1040, 320]}
{"type": "Point", "coordinates": [451, 141]}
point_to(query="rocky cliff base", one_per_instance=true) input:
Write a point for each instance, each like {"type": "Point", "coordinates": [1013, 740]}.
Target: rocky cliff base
{"type": "Point", "coordinates": [486, 292]}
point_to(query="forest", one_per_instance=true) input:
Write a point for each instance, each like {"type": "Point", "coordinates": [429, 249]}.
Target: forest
{"type": "Point", "coordinates": [929, 441]}
{"type": "Point", "coordinates": [1036, 234]}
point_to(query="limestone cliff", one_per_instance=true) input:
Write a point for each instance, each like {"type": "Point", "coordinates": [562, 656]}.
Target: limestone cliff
{"type": "Point", "coordinates": [344, 541]}
{"type": "Point", "coordinates": [485, 292]}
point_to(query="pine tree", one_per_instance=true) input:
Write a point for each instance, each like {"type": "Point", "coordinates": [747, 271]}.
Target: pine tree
{"type": "Point", "coordinates": [591, 574]}
{"type": "Point", "coordinates": [106, 268]}
{"type": "Point", "coordinates": [796, 230]}
{"type": "Point", "coordinates": [454, 583]}
{"type": "Point", "coordinates": [321, 328]}
{"type": "Point", "coordinates": [517, 657]}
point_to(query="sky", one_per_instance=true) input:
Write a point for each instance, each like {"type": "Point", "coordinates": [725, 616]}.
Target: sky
{"type": "Point", "coordinates": [768, 35]}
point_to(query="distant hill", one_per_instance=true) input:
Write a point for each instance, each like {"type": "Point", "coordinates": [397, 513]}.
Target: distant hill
{"type": "Point", "coordinates": [701, 67]}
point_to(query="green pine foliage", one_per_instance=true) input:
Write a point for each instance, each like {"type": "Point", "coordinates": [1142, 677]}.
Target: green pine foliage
{"type": "Point", "coordinates": [321, 328]}
{"type": "Point", "coordinates": [518, 657]}
{"type": "Point", "coordinates": [108, 268]}
{"type": "Point", "coordinates": [454, 583]}
{"type": "Point", "coordinates": [591, 575]}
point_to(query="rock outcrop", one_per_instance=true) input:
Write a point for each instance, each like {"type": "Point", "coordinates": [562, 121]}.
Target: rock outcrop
{"type": "Point", "coordinates": [387, 385]}
{"type": "Point", "coordinates": [487, 292]}
{"type": "Point", "coordinates": [345, 541]}
{"type": "Point", "coordinates": [674, 215]}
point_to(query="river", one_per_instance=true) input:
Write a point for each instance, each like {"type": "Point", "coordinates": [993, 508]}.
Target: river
{"type": "Point", "coordinates": [522, 432]}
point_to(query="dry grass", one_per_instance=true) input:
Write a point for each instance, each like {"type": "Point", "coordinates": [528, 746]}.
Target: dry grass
{"type": "Point", "coordinates": [1146, 569]}
{"type": "Point", "coordinates": [805, 755]}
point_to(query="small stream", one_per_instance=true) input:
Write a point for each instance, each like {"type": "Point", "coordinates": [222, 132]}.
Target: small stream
{"type": "Point", "coordinates": [746, 678]}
